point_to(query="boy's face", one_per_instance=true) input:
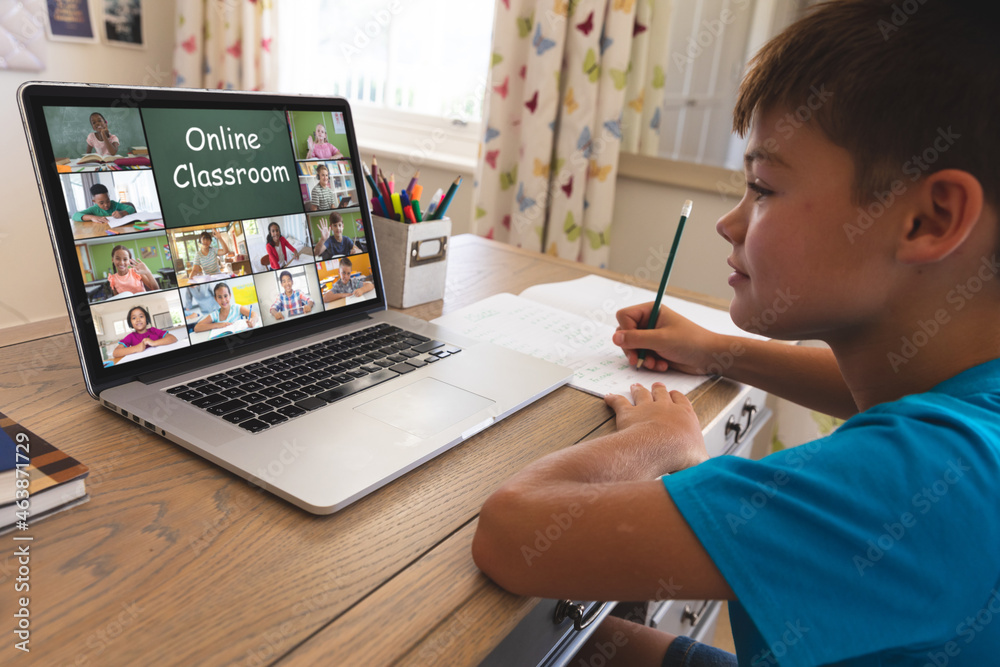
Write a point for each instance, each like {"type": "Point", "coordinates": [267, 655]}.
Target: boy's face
{"type": "Point", "coordinates": [797, 273]}
{"type": "Point", "coordinates": [338, 230]}
{"type": "Point", "coordinates": [345, 274]}
{"type": "Point", "coordinates": [104, 201]}
{"type": "Point", "coordinates": [286, 284]}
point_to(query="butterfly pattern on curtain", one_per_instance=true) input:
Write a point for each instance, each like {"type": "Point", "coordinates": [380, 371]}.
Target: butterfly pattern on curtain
{"type": "Point", "coordinates": [225, 44]}
{"type": "Point", "coordinates": [562, 76]}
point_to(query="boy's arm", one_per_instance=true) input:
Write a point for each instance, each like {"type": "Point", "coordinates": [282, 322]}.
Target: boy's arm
{"type": "Point", "coordinates": [555, 527]}
{"type": "Point", "coordinates": [366, 286]}
{"type": "Point", "coordinates": [804, 375]}
{"type": "Point", "coordinates": [330, 296]}
{"type": "Point", "coordinates": [318, 248]}
{"type": "Point", "coordinates": [89, 215]}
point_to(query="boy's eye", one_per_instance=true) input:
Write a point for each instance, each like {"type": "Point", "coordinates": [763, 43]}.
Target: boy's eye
{"type": "Point", "coordinates": [758, 190]}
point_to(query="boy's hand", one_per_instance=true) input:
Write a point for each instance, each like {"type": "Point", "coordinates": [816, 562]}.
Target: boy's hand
{"type": "Point", "coordinates": [664, 419]}
{"type": "Point", "coordinates": [676, 343]}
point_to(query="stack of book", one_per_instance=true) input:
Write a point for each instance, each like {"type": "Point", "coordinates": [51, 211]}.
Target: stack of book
{"type": "Point", "coordinates": [56, 480]}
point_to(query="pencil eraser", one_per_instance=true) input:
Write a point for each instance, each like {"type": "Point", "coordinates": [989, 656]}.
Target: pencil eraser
{"type": "Point", "coordinates": [686, 209]}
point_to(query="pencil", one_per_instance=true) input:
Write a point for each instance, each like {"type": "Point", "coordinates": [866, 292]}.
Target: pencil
{"type": "Point", "coordinates": [651, 324]}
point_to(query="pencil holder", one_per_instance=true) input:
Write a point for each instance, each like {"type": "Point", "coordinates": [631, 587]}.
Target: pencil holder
{"type": "Point", "coordinates": [413, 258]}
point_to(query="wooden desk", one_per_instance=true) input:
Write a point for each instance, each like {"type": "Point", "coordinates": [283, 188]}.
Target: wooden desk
{"type": "Point", "coordinates": [89, 230]}
{"type": "Point", "coordinates": [175, 561]}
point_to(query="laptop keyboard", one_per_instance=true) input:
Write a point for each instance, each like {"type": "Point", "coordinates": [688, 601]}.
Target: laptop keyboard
{"type": "Point", "coordinates": [272, 391]}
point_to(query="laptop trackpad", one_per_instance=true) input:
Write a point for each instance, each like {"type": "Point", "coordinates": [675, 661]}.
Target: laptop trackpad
{"type": "Point", "coordinates": [425, 407]}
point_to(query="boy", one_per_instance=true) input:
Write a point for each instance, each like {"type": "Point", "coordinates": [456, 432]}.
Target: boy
{"type": "Point", "coordinates": [290, 302]}
{"type": "Point", "coordinates": [104, 207]}
{"type": "Point", "coordinates": [348, 285]}
{"type": "Point", "coordinates": [871, 205]}
{"type": "Point", "coordinates": [328, 247]}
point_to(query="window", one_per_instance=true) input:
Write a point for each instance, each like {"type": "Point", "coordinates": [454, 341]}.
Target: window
{"type": "Point", "coordinates": [709, 43]}
{"type": "Point", "coordinates": [420, 62]}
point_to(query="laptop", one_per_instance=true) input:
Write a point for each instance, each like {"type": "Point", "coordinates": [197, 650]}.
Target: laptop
{"type": "Point", "coordinates": [299, 378]}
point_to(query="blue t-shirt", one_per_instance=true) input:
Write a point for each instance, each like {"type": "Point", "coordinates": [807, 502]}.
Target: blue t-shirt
{"type": "Point", "coordinates": [877, 545]}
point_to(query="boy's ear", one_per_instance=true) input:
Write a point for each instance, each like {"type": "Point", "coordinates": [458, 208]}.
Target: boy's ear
{"type": "Point", "coordinates": [948, 205]}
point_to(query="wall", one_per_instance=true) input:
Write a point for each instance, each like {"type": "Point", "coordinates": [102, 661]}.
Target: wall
{"type": "Point", "coordinates": [25, 250]}
{"type": "Point", "coordinates": [645, 219]}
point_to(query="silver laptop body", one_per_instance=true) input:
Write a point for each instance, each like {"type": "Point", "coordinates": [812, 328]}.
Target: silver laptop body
{"type": "Point", "coordinates": [174, 153]}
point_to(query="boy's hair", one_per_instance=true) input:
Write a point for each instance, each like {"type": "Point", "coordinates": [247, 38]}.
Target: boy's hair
{"type": "Point", "coordinates": [346, 262]}
{"type": "Point", "coordinates": [283, 274]}
{"type": "Point", "coordinates": [128, 318]}
{"type": "Point", "coordinates": [98, 189]}
{"type": "Point", "coordinates": [335, 218]}
{"type": "Point", "coordinates": [906, 87]}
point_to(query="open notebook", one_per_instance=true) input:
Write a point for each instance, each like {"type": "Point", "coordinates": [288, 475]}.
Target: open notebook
{"type": "Point", "coordinates": [571, 323]}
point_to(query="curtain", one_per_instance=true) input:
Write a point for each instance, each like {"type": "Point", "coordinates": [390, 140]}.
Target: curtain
{"type": "Point", "coordinates": [562, 75]}
{"type": "Point", "coordinates": [225, 44]}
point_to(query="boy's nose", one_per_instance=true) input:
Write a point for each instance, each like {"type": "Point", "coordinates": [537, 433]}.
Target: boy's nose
{"type": "Point", "coordinates": [731, 226]}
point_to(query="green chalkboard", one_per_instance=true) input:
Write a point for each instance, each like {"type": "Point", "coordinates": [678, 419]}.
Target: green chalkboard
{"type": "Point", "coordinates": [69, 127]}
{"type": "Point", "coordinates": [221, 165]}
{"type": "Point", "coordinates": [303, 124]}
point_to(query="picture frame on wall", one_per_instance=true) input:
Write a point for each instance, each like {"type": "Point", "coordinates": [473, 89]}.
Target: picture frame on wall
{"type": "Point", "coordinates": [123, 24]}
{"type": "Point", "coordinates": [70, 21]}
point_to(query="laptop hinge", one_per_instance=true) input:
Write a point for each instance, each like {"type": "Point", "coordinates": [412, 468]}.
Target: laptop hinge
{"type": "Point", "coordinates": [195, 364]}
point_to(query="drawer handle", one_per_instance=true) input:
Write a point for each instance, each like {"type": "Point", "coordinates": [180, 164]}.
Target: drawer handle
{"type": "Point", "coordinates": [748, 412]}
{"type": "Point", "coordinates": [567, 609]}
{"type": "Point", "coordinates": [693, 616]}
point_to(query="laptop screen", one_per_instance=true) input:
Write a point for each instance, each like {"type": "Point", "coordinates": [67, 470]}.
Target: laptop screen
{"type": "Point", "coordinates": [190, 222]}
